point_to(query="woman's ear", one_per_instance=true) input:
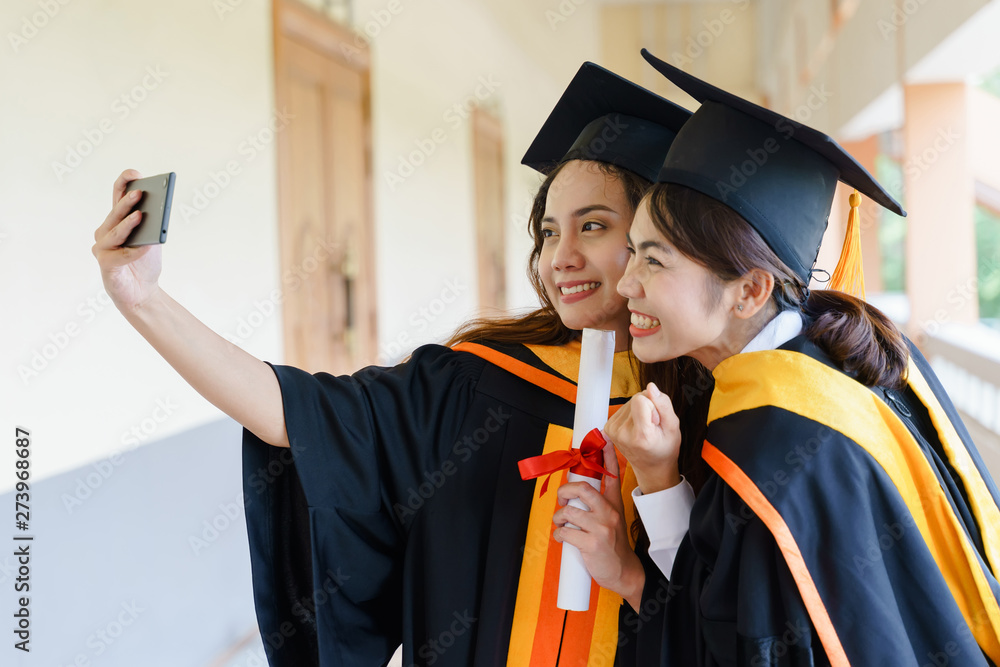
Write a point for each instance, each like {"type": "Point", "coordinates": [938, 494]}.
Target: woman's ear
{"type": "Point", "coordinates": [754, 291]}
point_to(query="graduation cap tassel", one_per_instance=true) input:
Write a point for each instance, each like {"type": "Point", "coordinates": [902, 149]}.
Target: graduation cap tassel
{"type": "Point", "coordinates": [849, 276]}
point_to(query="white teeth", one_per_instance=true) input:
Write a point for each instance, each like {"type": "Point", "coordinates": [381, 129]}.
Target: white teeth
{"type": "Point", "coordinates": [579, 288]}
{"type": "Point", "coordinates": [643, 322]}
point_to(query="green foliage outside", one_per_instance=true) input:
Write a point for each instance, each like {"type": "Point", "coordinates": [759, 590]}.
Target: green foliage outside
{"type": "Point", "coordinates": [991, 83]}
{"type": "Point", "coordinates": [892, 228]}
{"type": "Point", "coordinates": [988, 261]}
{"type": "Point", "coordinates": [892, 235]}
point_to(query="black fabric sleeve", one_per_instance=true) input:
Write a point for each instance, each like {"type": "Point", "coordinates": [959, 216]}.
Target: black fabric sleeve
{"type": "Point", "coordinates": [641, 631]}
{"type": "Point", "coordinates": [326, 549]}
{"type": "Point", "coordinates": [356, 437]}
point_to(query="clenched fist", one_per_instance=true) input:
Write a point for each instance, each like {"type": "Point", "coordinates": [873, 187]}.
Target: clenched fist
{"type": "Point", "coordinates": [647, 432]}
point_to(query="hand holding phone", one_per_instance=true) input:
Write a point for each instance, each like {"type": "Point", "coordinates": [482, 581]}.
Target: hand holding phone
{"type": "Point", "coordinates": [157, 192]}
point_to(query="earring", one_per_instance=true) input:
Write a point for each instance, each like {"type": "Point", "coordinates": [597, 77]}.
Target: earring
{"type": "Point", "coordinates": [739, 307]}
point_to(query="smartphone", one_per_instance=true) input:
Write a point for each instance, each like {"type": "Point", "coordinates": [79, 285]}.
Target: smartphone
{"type": "Point", "coordinates": [155, 206]}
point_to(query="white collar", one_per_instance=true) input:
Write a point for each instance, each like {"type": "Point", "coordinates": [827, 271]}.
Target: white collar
{"type": "Point", "coordinates": [785, 326]}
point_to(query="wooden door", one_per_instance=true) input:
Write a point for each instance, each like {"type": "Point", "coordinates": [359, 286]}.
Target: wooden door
{"type": "Point", "coordinates": [487, 147]}
{"type": "Point", "coordinates": [324, 192]}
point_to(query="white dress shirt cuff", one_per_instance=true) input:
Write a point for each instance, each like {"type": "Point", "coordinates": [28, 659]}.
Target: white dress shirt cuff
{"type": "Point", "coordinates": [665, 515]}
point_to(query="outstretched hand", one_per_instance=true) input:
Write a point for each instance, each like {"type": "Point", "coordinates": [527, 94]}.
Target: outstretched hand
{"type": "Point", "coordinates": [602, 537]}
{"type": "Point", "coordinates": [130, 274]}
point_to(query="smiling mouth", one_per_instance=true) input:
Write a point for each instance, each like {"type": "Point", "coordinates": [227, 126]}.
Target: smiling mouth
{"type": "Point", "coordinates": [576, 289]}
{"type": "Point", "coordinates": [643, 322]}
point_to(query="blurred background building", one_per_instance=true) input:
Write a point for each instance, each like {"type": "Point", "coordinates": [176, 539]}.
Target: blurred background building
{"type": "Point", "coordinates": [349, 187]}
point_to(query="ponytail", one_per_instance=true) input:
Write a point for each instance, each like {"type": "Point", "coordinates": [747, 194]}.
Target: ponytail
{"type": "Point", "coordinates": [857, 337]}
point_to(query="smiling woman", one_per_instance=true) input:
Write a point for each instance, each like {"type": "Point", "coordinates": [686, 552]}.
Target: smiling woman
{"type": "Point", "coordinates": [584, 249]}
{"type": "Point", "coordinates": [385, 507]}
{"type": "Point", "coordinates": [847, 518]}
{"type": "Point", "coordinates": [579, 252]}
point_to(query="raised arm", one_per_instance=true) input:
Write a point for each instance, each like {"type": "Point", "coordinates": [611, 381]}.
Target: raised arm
{"type": "Point", "coordinates": [237, 383]}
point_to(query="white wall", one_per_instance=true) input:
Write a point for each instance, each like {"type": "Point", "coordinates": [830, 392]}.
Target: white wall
{"type": "Point", "coordinates": [74, 372]}
{"type": "Point", "coordinates": [433, 55]}
{"type": "Point", "coordinates": [63, 90]}
{"type": "Point", "coordinates": [151, 568]}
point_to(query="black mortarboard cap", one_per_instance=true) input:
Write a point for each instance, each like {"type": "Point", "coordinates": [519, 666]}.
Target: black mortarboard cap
{"type": "Point", "coordinates": [606, 118]}
{"type": "Point", "coordinates": [778, 174]}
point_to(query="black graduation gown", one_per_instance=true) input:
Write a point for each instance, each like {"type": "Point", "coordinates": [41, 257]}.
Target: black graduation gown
{"type": "Point", "coordinates": [398, 515]}
{"type": "Point", "coordinates": [808, 546]}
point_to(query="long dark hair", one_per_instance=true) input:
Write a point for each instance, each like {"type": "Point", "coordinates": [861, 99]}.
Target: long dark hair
{"type": "Point", "coordinates": [857, 337]}
{"type": "Point", "coordinates": [543, 325]}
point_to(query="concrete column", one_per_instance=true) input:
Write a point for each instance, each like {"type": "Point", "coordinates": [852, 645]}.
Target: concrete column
{"type": "Point", "coordinates": [940, 199]}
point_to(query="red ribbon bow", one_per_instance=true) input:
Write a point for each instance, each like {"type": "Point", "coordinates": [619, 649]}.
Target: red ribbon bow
{"type": "Point", "coordinates": [583, 461]}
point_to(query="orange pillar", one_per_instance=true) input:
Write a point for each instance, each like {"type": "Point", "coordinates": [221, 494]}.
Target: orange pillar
{"type": "Point", "coordinates": [865, 152]}
{"type": "Point", "coordinates": [940, 200]}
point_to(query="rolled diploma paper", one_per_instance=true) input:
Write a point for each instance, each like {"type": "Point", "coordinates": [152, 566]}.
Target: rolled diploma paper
{"type": "Point", "coordinates": [593, 393]}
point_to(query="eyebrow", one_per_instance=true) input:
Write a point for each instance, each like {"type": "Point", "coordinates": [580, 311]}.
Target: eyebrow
{"type": "Point", "coordinates": [645, 245]}
{"type": "Point", "coordinates": [654, 244]}
{"type": "Point", "coordinates": [580, 212]}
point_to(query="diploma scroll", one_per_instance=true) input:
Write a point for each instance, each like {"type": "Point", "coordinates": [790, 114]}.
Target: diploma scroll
{"type": "Point", "coordinates": [593, 394]}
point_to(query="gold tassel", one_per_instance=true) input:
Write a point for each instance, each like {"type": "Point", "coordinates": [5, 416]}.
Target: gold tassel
{"type": "Point", "coordinates": [849, 276]}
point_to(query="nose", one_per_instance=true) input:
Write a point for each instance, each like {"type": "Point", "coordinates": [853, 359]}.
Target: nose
{"type": "Point", "coordinates": [629, 285]}
{"type": "Point", "coordinates": [567, 255]}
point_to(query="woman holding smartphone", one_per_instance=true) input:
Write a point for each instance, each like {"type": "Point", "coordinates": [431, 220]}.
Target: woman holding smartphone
{"type": "Point", "coordinates": [386, 507]}
{"type": "Point", "coordinates": [848, 518]}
